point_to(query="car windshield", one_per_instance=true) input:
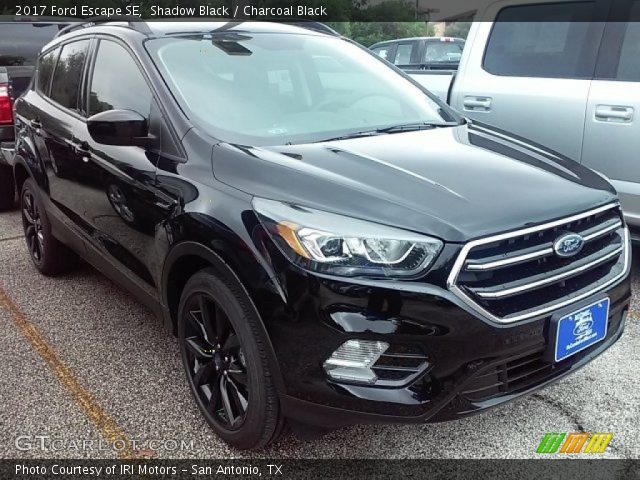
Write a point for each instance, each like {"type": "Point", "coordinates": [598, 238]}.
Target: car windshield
{"type": "Point", "coordinates": [272, 89]}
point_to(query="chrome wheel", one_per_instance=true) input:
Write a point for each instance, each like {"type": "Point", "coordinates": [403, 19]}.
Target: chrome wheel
{"type": "Point", "coordinates": [216, 365]}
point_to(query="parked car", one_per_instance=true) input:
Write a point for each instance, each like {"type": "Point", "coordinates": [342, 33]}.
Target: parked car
{"type": "Point", "coordinates": [563, 79]}
{"type": "Point", "coordinates": [422, 53]}
{"type": "Point", "coordinates": [330, 244]}
{"type": "Point", "coordinates": [20, 42]}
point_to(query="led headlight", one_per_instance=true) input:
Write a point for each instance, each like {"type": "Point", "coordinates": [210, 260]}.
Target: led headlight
{"type": "Point", "coordinates": [335, 244]}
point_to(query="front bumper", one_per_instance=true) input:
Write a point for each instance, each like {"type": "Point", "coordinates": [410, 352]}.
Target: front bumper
{"type": "Point", "coordinates": [475, 365]}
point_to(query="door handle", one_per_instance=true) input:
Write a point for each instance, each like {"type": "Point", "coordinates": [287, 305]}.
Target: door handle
{"type": "Point", "coordinates": [481, 104]}
{"type": "Point", "coordinates": [82, 148]}
{"type": "Point", "coordinates": [35, 124]}
{"type": "Point", "coordinates": [611, 113]}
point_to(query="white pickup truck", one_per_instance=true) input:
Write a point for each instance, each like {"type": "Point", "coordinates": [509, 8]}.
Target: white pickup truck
{"type": "Point", "coordinates": [560, 79]}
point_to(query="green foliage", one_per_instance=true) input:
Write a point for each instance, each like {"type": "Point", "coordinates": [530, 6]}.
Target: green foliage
{"type": "Point", "coordinates": [458, 29]}
{"type": "Point", "coordinates": [368, 33]}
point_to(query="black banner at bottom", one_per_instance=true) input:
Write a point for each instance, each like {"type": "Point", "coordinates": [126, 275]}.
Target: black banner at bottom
{"type": "Point", "coordinates": [542, 469]}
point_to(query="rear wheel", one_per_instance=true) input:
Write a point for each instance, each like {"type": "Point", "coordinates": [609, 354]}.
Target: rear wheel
{"type": "Point", "coordinates": [48, 255]}
{"type": "Point", "coordinates": [7, 189]}
{"type": "Point", "coordinates": [224, 356]}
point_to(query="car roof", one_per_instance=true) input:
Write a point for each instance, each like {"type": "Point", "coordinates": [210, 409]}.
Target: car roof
{"type": "Point", "coordinates": [177, 27]}
{"type": "Point", "coordinates": [137, 30]}
{"type": "Point", "coordinates": [409, 39]}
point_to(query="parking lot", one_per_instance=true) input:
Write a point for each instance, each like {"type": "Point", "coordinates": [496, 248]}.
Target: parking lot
{"type": "Point", "coordinates": [81, 360]}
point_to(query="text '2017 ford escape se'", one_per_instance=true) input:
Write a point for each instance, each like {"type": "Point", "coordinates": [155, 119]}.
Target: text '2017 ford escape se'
{"type": "Point", "coordinates": [330, 243]}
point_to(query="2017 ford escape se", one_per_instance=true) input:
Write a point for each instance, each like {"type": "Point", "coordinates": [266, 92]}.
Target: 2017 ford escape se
{"type": "Point", "coordinates": [330, 243]}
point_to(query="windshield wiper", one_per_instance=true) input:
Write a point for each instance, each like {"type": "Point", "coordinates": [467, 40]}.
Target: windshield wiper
{"type": "Point", "coordinates": [407, 127]}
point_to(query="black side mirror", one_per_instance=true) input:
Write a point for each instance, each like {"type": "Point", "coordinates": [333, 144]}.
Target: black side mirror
{"type": "Point", "coordinates": [120, 127]}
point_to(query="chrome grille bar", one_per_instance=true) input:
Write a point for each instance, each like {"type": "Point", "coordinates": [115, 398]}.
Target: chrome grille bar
{"type": "Point", "coordinates": [527, 257]}
{"type": "Point", "coordinates": [540, 253]}
{"type": "Point", "coordinates": [507, 292]}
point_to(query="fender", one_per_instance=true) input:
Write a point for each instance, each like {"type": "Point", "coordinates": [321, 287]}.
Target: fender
{"type": "Point", "coordinates": [190, 248]}
{"type": "Point", "coordinates": [27, 156]}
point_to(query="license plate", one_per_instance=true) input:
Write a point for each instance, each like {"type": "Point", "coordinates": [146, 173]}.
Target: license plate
{"type": "Point", "coordinates": [581, 329]}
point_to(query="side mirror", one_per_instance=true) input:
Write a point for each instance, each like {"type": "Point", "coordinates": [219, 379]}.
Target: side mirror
{"type": "Point", "coordinates": [120, 127]}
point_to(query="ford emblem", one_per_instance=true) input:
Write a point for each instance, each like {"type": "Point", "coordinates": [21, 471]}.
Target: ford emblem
{"type": "Point", "coordinates": [568, 245]}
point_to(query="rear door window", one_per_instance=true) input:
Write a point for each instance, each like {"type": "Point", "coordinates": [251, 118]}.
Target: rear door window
{"type": "Point", "coordinates": [45, 70]}
{"type": "Point", "coordinates": [629, 65]}
{"type": "Point", "coordinates": [21, 42]}
{"type": "Point", "coordinates": [67, 77]}
{"type": "Point", "coordinates": [404, 53]}
{"type": "Point", "coordinates": [557, 40]}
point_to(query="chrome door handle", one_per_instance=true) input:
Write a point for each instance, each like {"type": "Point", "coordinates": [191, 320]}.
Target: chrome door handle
{"type": "Point", "coordinates": [614, 113]}
{"type": "Point", "coordinates": [477, 103]}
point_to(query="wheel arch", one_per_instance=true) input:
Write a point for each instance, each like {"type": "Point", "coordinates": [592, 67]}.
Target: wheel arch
{"type": "Point", "coordinates": [186, 259]}
{"type": "Point", "coordinates": [22, 169]}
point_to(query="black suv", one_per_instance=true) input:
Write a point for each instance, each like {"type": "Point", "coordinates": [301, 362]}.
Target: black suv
{"type": "Point", "coordinates": [21, 39]}
{"type": "Point", "coordinates": [330, 243]}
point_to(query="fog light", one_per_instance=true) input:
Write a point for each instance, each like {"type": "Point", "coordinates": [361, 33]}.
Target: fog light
{"type": "Point", "coordinates": [352, 361]}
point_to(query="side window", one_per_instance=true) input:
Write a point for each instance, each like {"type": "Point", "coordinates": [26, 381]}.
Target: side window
{"type": "Point", "coordinates": [67, 76]}
{"type": "Point", "coordinates": [442, 51]}
{"type": "Point", "coordinates": [45, 70]}
{"type": "Point", "coordinates": [382, 52]}
{"type": "Point", "coordinates": [629, 66]}
{"type": "Point", "coordinates": [117, 82]}
{"type": "Point", "coordinates": [403, 54]}
{"type": "Point", "coordinates": [555, 41]}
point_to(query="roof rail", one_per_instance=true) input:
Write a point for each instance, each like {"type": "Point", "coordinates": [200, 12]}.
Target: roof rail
{"type": "Point", "coordinates": [133, 22]}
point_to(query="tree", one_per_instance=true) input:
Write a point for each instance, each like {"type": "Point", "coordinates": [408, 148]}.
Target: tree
{"type": "Point", "coordinates": [368, 33]}
{"type": "Point", "coordinates": [458, 29]}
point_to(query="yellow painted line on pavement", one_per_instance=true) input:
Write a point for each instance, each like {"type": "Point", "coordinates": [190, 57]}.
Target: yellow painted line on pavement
{"type": "Point", "coordinates": [8, 239]}
{"type": "Point", "coordinates": [111, 432]}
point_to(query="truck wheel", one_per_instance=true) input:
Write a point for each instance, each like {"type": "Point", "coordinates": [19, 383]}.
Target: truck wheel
{"type": "Point", "coordinates": [225, 358]}
{"type": "Point", "coordinates": [7, 189]}
{"type": "Point", "coordinates": [48, 255]}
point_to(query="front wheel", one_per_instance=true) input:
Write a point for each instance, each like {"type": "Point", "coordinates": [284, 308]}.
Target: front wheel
{"type": "Point", "coordinates": [224, 355]}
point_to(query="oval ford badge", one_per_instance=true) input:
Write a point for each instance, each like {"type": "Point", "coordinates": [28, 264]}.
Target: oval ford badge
{"type": "Point", "coordinates": [568, 245]}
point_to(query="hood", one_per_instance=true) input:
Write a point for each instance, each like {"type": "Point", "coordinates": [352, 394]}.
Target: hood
{"type": "Point", "coordinates": [455, 183]}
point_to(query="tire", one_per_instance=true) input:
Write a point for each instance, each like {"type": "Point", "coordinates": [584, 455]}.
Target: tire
{"type": "Point", "coordinates": [220, 358]}
{"type": "Point", "coordinates": [47, 254]}
{"type": "Point", "coordinates": [7, 189]}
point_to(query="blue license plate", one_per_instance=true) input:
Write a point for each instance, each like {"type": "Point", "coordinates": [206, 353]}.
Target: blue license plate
{"type": "Point", "coordinates": [581, 329]}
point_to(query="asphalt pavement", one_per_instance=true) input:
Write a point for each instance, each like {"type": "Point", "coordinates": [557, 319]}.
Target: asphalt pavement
{"type": "Point", "coordinates": [85, 369]}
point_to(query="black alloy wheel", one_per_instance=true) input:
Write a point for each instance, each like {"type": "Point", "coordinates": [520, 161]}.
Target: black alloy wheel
{"type": "Point", "coordinates": [47, 254]}
{"type": "Point", "coordinates": [32, 224]}
{"type": "Point", "coordinates": [224, 349]}
{"type": "Point", "coordinates": [217, 365]}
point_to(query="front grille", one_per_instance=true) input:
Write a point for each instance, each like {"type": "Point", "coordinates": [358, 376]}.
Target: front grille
{"type": "Point", "coordinates": [518, 275]}
{"type": "Point", "coordinates": [512, 376]}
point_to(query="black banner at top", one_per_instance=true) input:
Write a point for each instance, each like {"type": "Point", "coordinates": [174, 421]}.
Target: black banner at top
{"type": "Point", "coordinates": [431, 11]}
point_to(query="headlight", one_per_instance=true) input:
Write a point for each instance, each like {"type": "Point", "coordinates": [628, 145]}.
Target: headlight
{"type": "Point", "coordinates": [334, 244]}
